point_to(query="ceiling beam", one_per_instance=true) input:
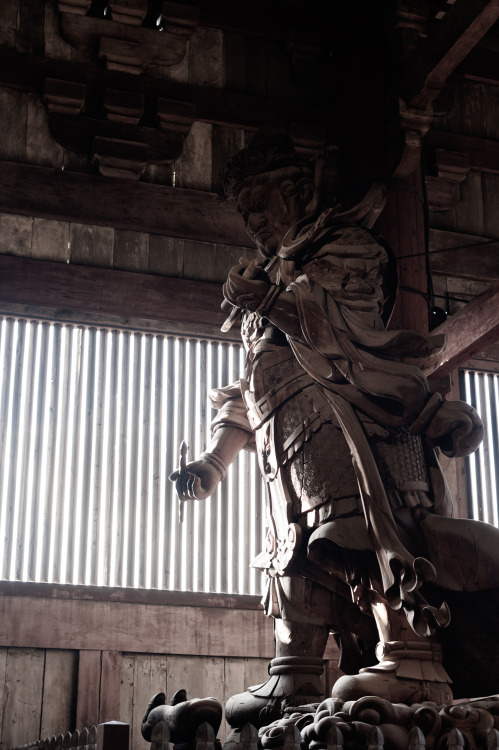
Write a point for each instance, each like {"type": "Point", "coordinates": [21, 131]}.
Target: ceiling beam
{"type": "Point", "coordinates": [445, 47]}
{"type": "Point", "coordinates": [464, 255]}
{"type": "Point", "coordinates": [109, 292]}
{"type": "Point", "coordinates": [122, 204]}
{"type": "Point", "coordinates": [483, 152]}
{"type": "Point", "coordinates": [469, 331]}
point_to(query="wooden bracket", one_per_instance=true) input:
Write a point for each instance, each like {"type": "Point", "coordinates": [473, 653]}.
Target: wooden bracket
{"type": "Point", "coordinates": [116, 137]}
{"type": "Point", "coordinates": [134, 37]}
{"type": "Point", "coordinates": [444, 190]}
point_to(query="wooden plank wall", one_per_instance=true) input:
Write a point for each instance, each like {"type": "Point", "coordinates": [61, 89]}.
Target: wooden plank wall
{"type": "Point", "coordinates": [71, 658]}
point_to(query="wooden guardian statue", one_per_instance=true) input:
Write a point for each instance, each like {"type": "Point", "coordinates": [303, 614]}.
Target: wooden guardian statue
{"type": "Point", "coordinates": [361, 539]}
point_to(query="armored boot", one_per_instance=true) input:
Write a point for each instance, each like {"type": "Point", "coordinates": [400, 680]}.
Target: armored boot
{"type": "Point", "coordinates": [301, 633]}
{"type": "Point", "coordinates": [294, 680]}
{"type": "Point", "coordinates": [410, 668]}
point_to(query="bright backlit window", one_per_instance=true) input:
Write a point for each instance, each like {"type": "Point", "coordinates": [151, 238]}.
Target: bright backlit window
{"type": "Point", "coordinates": [91, 420]}
{"type": "Point", "coordinates": [481, 390]}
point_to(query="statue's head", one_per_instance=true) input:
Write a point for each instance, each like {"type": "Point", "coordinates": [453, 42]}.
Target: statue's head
{"type": "Point", "coordinates": [273, 185]}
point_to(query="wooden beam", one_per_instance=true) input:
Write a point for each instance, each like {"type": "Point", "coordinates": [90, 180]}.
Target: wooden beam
{"type": "Point", "coordinates": [110, 292]}
{"type": "Point", "coordinates": [97, 626]}
{"type": "Point", "coordinates": [122, 204]}
{"type": "Point", "coordinates": [450, 40]}
{"type": "Point", "coordinates": [129, 596]}
{"type": "Point", "coordinates": [464, 255]}
{"type": "Point", "coordinates": [469, 332]}
{"type": "Point", "coordinates": [483, 152]}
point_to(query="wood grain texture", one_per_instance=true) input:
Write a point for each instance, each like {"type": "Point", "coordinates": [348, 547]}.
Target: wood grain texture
{"type": "Point", "coordinates": [131, 251]}
{"type": "Point", "coordinates": [16, 235]}
{"type": "Point", "coordinates": [58, 699]}
{"type": "Point", "coordinates": [465, 255]}
{"type": "Point", "coordinates": [121, 204]}
{"type": "Point", "coordinates": [149, 677]}
{"type": "Point", "coordinates": [88, 687]}
{"type": "Point", "coordinates": [23, 691]}
{"type": "Point", "coordinates": [50, 240]}
{"type": "Point", "coordinates": [14, 108]}
{"type": "Point", "coordinates": [402, 224]}
{"type": "Point", "coordinates": [109, 291]}
{"type": "Point", "coordinates": [97, 626]}
{"type": "Point", "coordinates": [3, 687]}
{"type": "Point", "coordinates": [110, 686]}
{"type": "Point", "coordinates": [469, 331]}
{"type": "Point", "coordinates": [130, 596]}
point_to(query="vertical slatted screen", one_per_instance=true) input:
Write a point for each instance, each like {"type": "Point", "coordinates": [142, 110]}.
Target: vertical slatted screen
{"type": "Point", "coordinates": [90, 424]}
{"type": "Point", "coordinates": [481, 390]}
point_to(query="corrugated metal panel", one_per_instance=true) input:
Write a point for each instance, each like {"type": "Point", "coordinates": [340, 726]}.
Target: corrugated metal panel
{"type": "Point", "coordinates": [90, 425]}
{"type": "Point", "coordinates": [481, 390]}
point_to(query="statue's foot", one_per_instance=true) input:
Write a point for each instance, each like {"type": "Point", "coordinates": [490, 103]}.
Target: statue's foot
{"type": "Point", "coordinates": [293, 681]}
{"type": "Point", "coordinates": [251, 708]}
{"type": "Point", "coordinates": [388, 686]}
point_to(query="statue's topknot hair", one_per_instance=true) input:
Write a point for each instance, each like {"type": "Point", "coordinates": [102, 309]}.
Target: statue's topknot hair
{"type": "Point", "coordinates": [271, 148]}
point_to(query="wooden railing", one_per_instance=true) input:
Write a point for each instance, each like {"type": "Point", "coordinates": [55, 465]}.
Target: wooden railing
{"type": "Point", "coordinates": [112, 735]}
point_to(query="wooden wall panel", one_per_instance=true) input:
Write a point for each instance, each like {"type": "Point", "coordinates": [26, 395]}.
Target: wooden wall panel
{"type": "Point", "coordinates": [3, 688]}
{"type": "Point", "coordinates": [59, 694]}
{"type": "Point", "coordinates": [88, 688]}
{"type": "Point", "coordinates": [144, 675]}
{"type": "Point", "coordinates": [23, 696]}
{"type": "Point", "coordinates": [110, 686]}
{"type": "Point", "coordinates": [14, 108]}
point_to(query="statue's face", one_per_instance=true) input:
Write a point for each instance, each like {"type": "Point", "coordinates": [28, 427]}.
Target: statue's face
{"type": "Point", "coordinates": [271, 208]}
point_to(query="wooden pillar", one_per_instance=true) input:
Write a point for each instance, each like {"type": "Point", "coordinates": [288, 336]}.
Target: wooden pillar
{"type": "Point", "coordinates": [402, 224]}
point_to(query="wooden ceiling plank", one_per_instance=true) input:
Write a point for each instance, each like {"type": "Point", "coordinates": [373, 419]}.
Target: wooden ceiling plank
{"type": "Point", "coordinates": [445, 48]}
{"type": "Point", "coordinates": [469, 331]}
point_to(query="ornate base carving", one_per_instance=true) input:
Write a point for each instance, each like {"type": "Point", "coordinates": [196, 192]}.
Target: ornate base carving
{"type": "Point", "coordinates": [374, 722]}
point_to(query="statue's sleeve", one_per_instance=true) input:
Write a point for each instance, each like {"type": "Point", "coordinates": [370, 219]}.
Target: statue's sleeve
{"type": "Point", "coordinates": [232, 411]}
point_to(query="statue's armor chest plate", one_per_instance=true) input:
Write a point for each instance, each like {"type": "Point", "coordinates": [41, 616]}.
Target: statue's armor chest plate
{"type": "Point", "coordinates": [300, 443]}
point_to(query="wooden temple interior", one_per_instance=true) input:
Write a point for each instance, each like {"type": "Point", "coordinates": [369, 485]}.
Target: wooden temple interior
{"type": "Point", "coordinates": [116, 120]}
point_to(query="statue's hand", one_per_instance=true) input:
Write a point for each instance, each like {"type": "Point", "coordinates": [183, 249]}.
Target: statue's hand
{"type": "Point", "coordinates": [245, 292]}
{"type": "Point", "coordinates": [197, 481]}
{"type": "Point", "coordinates": [456, 429]}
